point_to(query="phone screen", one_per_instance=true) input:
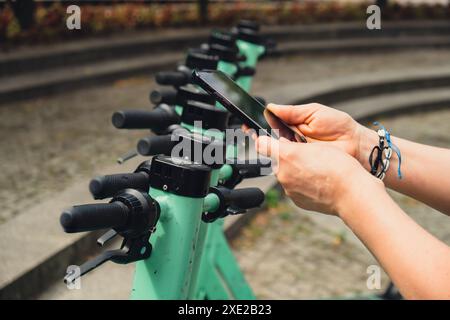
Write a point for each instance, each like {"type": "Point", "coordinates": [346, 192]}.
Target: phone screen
{"type": "Point", "coordinates": [230, 91]}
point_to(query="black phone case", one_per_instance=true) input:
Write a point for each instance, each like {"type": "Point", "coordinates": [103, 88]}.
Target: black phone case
{"type": "Point", "coordinates": [198, 80]}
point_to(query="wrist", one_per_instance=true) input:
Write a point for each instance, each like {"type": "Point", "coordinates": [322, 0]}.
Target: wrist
{"type": "Point", "coordinates": [367, 139]}
{"type": "Point", "coordinates": [355, 193]}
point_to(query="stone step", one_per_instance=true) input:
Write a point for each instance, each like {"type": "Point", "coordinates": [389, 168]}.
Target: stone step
{"type": "Point", "coordinates": [363, 45]}
{"type": "Point", "coordinates": [133, 44]}
{"type": "Point", "coordinates": [396, 103]}
{"type": "Point", "coordinates": [358, 86]}
{"type": "Point", "coordinates": [98, 49]}
{"type": "Point", "coordinates": [35, 84]}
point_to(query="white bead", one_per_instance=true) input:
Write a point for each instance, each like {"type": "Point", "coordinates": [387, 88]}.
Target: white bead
{"type": "Point", "coordinates": [381, 133]}
{"type": "Point", "coordinates": [382, 176]}
{"type": "Point", "coordinates": [388, 153]}
{"type": "Point", "coordinates": [386, 163]}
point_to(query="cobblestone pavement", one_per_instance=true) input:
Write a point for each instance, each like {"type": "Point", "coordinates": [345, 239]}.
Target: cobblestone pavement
{"type": "Point", "coordinates": [288, 253]}
{"type": "Point", "coordinates": [48, 143]}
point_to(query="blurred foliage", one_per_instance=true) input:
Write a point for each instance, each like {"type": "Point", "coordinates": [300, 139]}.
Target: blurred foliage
{"type": "Point", "coordinates": [273, 197]}
{"type": "Point", "coordinates": [50, 20]}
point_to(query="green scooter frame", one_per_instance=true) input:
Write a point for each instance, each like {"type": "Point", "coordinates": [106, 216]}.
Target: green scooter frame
{"type": "Point", "coordinates": [252, 52]}
{"type": "Point", "coordinates": [219, 275]}
{"type": "Point", "coordinates": [192, 259]}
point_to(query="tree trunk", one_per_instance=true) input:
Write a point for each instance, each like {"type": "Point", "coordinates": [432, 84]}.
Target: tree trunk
{"type": "Point", "coordinates": [203, 11]}
{"type": "Point", "coordinates": [381, 3]}
{"type": "Point", "coordinates": [24, 11]}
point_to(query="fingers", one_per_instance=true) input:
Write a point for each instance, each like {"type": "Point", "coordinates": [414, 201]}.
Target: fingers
{"type": "Point", "coordinates": [271, 147]}
{"type": "Point", "coordinates": [275, 123]}
{"type": "Point", "coordinates": [249, 131]}
{"type": "Point", "coordinates": [267, 146]}
{"type": "Point", "coordinates": [294, 115]}
{"type": "Point", "coordinates": [305, 129]}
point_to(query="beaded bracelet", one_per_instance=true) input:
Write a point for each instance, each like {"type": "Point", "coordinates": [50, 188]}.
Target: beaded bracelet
{"type": "Point", "coordinates": [379, 162]}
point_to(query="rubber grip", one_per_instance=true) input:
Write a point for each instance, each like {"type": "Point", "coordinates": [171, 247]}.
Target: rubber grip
{"type": "Point", "coordinates": [140, 119]}
{"type": "Point", "coordinates": [248, 24]}
{"type": "Point", "coordinates": [154, 145]}
{"type": "Point", "coordinates": [168, 96]}
{"type": "Point", "coordinates": [245, 198]}
{"type": "Point", "coordinates": [108, 186]}
{"type": "Point", "coordinates": [89, 217]}
{"type": "Point", "coordinates": [245, 72]}
{"type": "Point", "coordinates": [186, 93]}
{"type": "Point", "coordinates": [172, 78]}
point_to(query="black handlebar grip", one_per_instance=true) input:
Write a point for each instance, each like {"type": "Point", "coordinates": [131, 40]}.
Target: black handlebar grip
{"type": "Point", "coordinates": [252, 170]}
{"type": "Point", "coordinates": [245, 198]}
{"type": "Point", "coordinates": [89, 217]}
{"type": "Point", "coordinates": [108, 186]}
{"type": "Point", "coordinates": [245, 72]}
{"type": "Point", "coordinates": [168, 96]}
{"type": "Point", "coordinates": [172, 78]}
{"type": "Point", "coordinates": [154, 145]}
{"type": "Point", "coordinates": [160, 117]}
{"type": "Point", "coordinates": [248, 24]}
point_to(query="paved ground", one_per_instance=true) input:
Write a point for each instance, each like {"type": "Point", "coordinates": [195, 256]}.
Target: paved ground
{"type": "Point", "coordinates": [50, 142]}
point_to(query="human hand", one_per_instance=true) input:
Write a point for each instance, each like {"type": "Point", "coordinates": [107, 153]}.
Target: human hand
{"type": "Point", "coordinates": [315, 176]}
{"type": "Point", "coordinates": [320, 123]}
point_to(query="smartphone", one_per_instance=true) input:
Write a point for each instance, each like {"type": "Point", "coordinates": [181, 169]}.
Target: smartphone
{"type": "Point", "coordinates": [239, 102]}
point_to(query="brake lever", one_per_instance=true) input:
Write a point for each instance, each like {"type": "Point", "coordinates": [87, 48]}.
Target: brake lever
{"type": "Point", "coordinates": [131, 250]}
{"type": "Point", "coordinates": [127, 156]}
{"type": "Point", "coordinates": [108, 236]}
{"type": "Point", "coordinates": [92, 264]}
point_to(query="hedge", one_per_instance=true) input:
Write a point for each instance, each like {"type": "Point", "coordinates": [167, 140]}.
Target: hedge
{"type": "Point", "coordinates": [50, 21]}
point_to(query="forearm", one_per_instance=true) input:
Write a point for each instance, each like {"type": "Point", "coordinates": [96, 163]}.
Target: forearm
{"type": "Point", "coordinates": [425, 170]}
{"type": "Point", "coordinates": [418, 263]}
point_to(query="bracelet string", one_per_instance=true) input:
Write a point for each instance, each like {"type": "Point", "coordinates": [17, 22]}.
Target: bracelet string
{"type": "Point", "coordinates": [393, 147]}
{"type": "Point", "coordinates": [379, 158]}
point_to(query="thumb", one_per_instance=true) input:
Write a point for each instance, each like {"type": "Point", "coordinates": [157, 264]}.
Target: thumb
{"type": "Point", "coordinates": [293, 115]}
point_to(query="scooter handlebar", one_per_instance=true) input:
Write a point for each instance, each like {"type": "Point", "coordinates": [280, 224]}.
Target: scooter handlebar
{"type": "Point", "coordinates": [245, 198]}
{"type": "Point", "coordinates": [172, 78]}
{"type": "Point", "coordinates": [160, 117]}
{"type": "Point", "coordinates": [89, 217]}
{"type": "Point", "coordinates": [154, 145]}
{"type": "Point", "coordinates": [109, 185]}
{"type": "Point", "coordinates": [167, 96]}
